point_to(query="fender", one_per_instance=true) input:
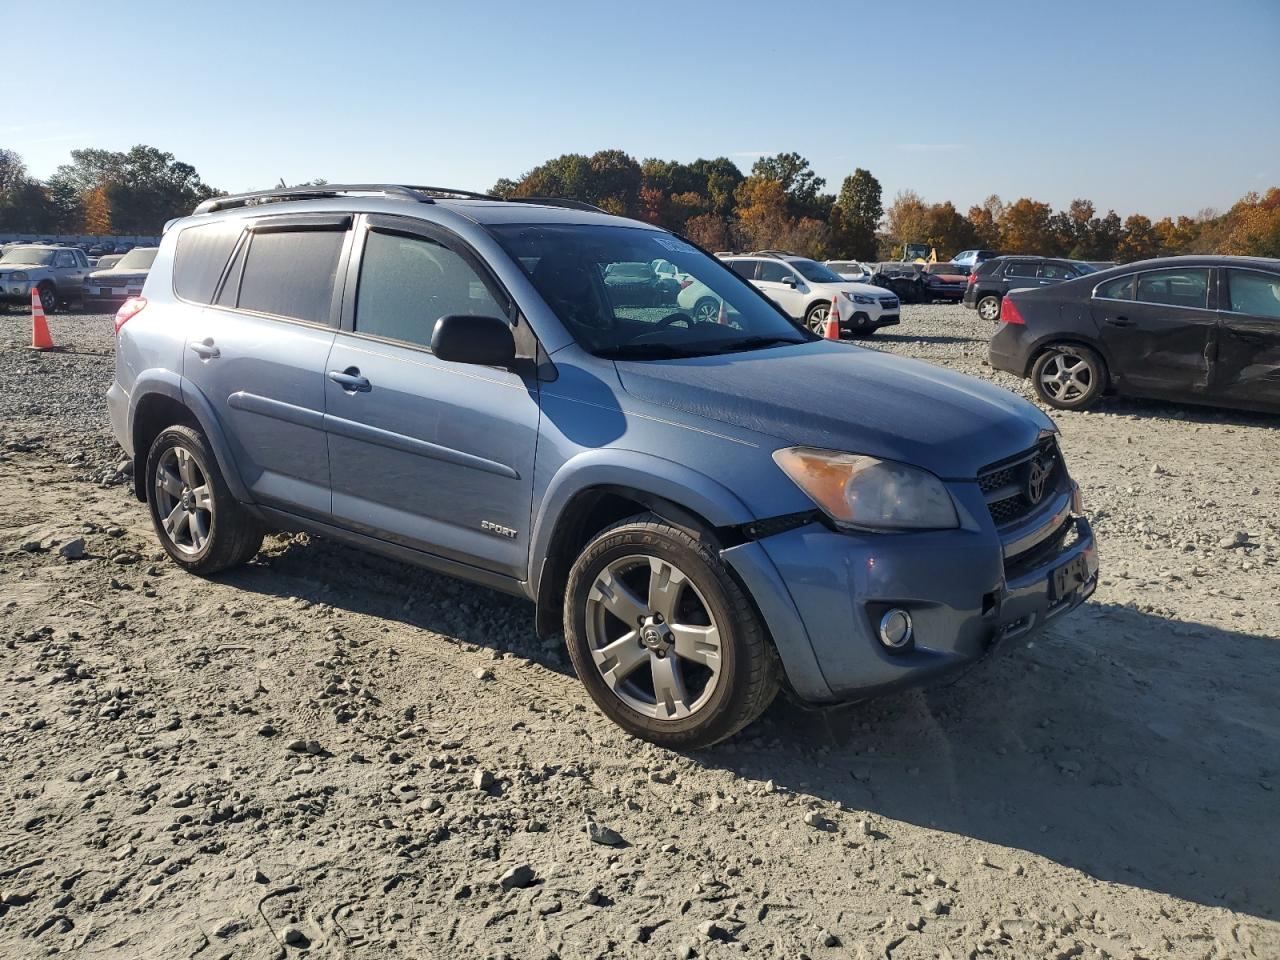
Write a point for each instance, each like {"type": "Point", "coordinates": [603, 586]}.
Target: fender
{"type": "Point", "coordinates": [608, 467]}
{"type": "Point", "coordinates": [178, 388]}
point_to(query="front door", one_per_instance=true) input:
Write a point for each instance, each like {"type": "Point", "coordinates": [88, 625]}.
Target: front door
{"type": "Point", "coordinates": [1158, 329]}
{"type": "Point", "coordinates": [427, 453]}
{"type": "Point", "coordinates": [1247, 370]}
{"type": "Point", "coordinates": [783, 286]}
{"type": "Point", "coordinates": [258, 354]}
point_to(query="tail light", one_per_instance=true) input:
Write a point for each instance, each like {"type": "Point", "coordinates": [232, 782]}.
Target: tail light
{"type": "Point", "coordinates": [128, 310]}
{"type": "Point", "coordinates": [973, 278]}
{"type": "Point", "coordinates": [1009, 312]}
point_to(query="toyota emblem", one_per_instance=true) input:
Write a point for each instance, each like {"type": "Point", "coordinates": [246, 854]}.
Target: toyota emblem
{"type": "Point", "coordinates": [1037, 478]}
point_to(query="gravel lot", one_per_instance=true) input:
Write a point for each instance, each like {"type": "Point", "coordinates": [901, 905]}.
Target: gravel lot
{"type": "Point", "coordinates": [328, 753]}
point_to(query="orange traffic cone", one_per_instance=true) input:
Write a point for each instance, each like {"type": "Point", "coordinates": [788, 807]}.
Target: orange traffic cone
{"type": "Point", "coordinates": [722, 317]}
{"type": "Point", "coordinates": [40, 339]}
{"type": "Point", "coordinates": [832, 329]}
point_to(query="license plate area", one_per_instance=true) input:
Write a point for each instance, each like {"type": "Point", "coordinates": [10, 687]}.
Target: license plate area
{"type": "Point", "coordinates": [1068, 577]}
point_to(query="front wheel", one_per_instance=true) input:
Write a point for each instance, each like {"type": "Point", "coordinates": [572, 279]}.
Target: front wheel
{"type": "Point", "coordinates": [48, 297]}
{"type": "Point", "coordinates": [816, 318]}
{"type": "Point", "coordinates": [665, 641]}
{"type": "Point", "coordinates": [706, 310]}
{"type": "Point", "coordinates": [989, 308]}
{"type": "Point", "coordinates": [200, 524]}
{"type": "Point", "coordinates": [1069, 377]}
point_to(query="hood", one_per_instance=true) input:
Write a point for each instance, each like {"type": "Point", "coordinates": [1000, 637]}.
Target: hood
{"type": "Point", "coordinates": [866, 289]}
{"type": "Point", "coordinates": [7, 267]}
{"type": "Point", "coordinates": [847, 398]}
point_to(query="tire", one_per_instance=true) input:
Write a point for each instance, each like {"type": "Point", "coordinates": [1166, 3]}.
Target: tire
{"type": "Point", "coordinates": [212, 531]}
{"type": "Point", "coordinates": [673, 687]}
{"type": "Point", "coordinates": [815, 318]}
{"type": "Point", "coordinates": [1069, 377]}
{"type": "Point", "coordinates": [989, 307]}
{"type": "Point", "coordinates": [48, 296]}
{"type": "Point", "coordinates": [706, 310]}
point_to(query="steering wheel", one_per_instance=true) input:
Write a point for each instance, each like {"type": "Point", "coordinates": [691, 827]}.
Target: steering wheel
{"type": "Point", "coordinates": [672, 319]}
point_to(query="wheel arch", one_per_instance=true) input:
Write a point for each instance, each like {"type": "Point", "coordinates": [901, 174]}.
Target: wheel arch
{"type": "Point", "coordinates": [1044, 344]}
{"type": "Point", "coordinates": [161, 399]}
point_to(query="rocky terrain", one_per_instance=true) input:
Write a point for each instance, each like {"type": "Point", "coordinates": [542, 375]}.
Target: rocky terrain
{"type": "Point", "coordinates": [328, 754]}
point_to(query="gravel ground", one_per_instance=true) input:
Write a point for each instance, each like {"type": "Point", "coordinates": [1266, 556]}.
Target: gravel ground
{"type": "Point", "coordinates": [326, 753]}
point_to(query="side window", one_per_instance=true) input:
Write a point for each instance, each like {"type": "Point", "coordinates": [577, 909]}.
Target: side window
{"type": "Point", "coordinates": [200, 257]}
{"type": "Point", "coordinates": [1177, 288]}
{"type": "Point", "coordinates": [1055, 271]}
{"type": "Point", "coordinates": [408, 283]}
{"type": "Point", "coordinates": [1257, 294]}
{"type": "Point", "coordinates": [771, 271]}
{"type": "Point", "coordinates": [289, 273]}
{"type": "Point", "coordinates": [743, 268]}
{"type": "Point", "coordinates": [1121, 288]}
{"type": "Point", "coordinates": [64, 258]}
{"type": "Point", "coordinates": [1022, 268]}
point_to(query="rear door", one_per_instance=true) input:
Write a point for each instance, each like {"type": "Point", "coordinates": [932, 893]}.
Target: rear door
{"type": "Point", "coordinates": [427, 453]}
{"type": "Point", "coordinates": [1021, 274]}
{"type": "Point", "coordinates": [1247, 370]}
{"type": "Point", "coordinates": [258, 351]}
{"type": "Point", "coordinates": [1158, 329]}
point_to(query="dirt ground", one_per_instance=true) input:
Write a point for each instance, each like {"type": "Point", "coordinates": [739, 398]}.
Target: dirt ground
{"type": "Point", "coordinates": [328, 754]}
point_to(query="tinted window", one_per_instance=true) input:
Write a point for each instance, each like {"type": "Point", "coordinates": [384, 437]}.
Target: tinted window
{"type": "Point", "coordinates": [1121, 288]}
{"type": "Point", "coordinates": [200, 257]}
{"type": "Point", "coordinates": [1022, 268]}
{"type": "Point", "coordinates": [743, 268]}
{"type": "Point", "coordinates": [408, 283]}
{"type": "Point", "coordinates": [815, 272]}
{"type": "Point", "coordinates": [1056, 271]}
{"type": "Point", "coordinates": [773, 272]}
{"type": "Point", "coordinates": [290, 273]}
{"type": "Point", "coordinates": [1257, 294]}
{"type": "Point", "coordinates": [1178, 288]}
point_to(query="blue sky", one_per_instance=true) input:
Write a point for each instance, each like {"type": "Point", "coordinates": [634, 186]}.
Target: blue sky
{"type": "Point", "coordinates": [1151, 107]}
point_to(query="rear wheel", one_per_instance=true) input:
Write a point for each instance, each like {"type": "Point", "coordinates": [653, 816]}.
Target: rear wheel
{"type": "Point", "coordinates": [989, 307]}
{"type": "Point", "coordinates": [200, 524]}
{"type": "Point", "coordinates": [666, 642]}
{"type": "Point", "coordinates": [1069, 377]}
{"type": "Point", "coordinates": [706, 310]}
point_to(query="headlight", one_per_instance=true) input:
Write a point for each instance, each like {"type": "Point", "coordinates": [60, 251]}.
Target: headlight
{"type": "Point", "coordinates": [18, 275]}
{"type": "Point", "coordinates": [859, 298]}
{"type": "Point", "coordinates": [869, 493]}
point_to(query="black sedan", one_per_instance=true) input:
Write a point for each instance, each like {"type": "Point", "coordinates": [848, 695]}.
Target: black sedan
{"type": "Point", "coordinates": [1198, 329]}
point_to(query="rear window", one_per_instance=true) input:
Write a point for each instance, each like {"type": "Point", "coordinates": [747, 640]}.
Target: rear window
{"type": "Point", "coordinates": [743, 268]}
{"type": "Point", "coordinates": [1024, 268]}
{"type": "Point", "coordinates": [201, 256]}
{"type": "Point", "coordinates": [290, 273]}
{"type": "Point", "coordinates": [1175, 288]}
{"type": "Point", "coordinates": [139, 258]}
{"type": "Point", "coordinates": [1121, 288]}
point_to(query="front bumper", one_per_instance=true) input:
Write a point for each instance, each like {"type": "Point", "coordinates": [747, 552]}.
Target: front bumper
{"type": "Point", "coordinates": [962, 592]}
{"type": "Point", "coordinates": [15, 291]}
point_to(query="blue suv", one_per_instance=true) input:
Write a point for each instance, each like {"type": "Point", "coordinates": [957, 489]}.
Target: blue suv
{"type": "Point", "coordinates": [707, 506]}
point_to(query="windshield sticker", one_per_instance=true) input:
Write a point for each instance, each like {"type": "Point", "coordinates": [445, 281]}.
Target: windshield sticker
{"type": "Point", "coordinates": [674, 245]}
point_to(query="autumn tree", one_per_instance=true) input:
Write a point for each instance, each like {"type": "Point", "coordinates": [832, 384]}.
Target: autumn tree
{"type": "Point", "coordinates": [1255, 226]}
{"type": "Point", "coordinates": [1025, 227]}
{"type": "Point", "coordinates": [906, 221]}
{"type": "Point", "coordinates": [97, 211]}
{"type": "Point", "coordinates": [947, 231]}
{"type": "Point", "coordinates": [1139, 241]}
{"type": "Point", "coordinates": [985, 220]}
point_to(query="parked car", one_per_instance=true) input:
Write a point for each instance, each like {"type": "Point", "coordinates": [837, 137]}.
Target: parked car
{"type": "Point", "coordinates": [973, 258]}
{"type": "Point", "coordinates": [57, 272]}
{"type": "Point", "coordinates": [900, 277]}
{"type": "Point", "coordinates": [1199, 329]}
{"type": "Point", "coordinates": [106, 288]}
{"type": "Point", "coordinates": [636, 285]}
{"type": "Point", "coordinates": [944, 281]}
{"type": "Point", "coordinates": [803, 290]}
{"type": "Point", "coordinates": [993, 279]}
{"type": "Point", "coordinates": [853, 270]}
{"type": "Point", "coordinates": [701, 508]}
{"type": "Point", "coordinates": [105, 262]}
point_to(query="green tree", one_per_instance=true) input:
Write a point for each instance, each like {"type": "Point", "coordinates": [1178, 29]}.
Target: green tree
{"type": "Point", "coordinates": [145, 186]}
{"type": "Point", "coordinates": [799, 182]}
{"type": "Point", "coordinates": [857, 214]}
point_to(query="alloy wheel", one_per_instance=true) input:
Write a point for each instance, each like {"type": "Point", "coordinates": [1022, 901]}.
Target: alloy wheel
{"type": "Point", "coordinates": [818, 319]}
{"type": "Point", "coordinates": [653, 638]}
{"type": "Point", "coordinates": [184, 500]}
{"type": "Point", "coordinates": [989, 309]}
{"type": "Point", "coordinates": [706, 310]}
{"type": "Point", "coordinates": [1066, 377]}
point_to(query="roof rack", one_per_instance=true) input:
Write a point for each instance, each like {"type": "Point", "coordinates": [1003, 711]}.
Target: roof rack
{"type": "Point", "coordinates": [773, 253]}
{"type": "Point", "coordinates": [399, 191]}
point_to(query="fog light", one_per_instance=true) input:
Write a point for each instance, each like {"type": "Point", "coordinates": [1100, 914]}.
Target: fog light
{"type": "Point", "coordinates": [895, 629]}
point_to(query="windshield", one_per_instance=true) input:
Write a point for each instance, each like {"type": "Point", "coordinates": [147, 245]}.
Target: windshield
{"type": "Point", "coordinates": [32, 255]}
{"type": "Point", "coordinates": [815, 272]}
{"type": "Point", "coordinates": [1083, 267]}
{"type": "Point", "coordinates": [840, 266]}
{"type": "Point", "coordinates": [579, 269]}
{"type": "Point", "coordinates": [139, 258]}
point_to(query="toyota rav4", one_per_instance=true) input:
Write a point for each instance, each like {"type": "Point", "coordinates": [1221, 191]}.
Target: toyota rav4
{"type": "Point", "coordinates": [706, 505]}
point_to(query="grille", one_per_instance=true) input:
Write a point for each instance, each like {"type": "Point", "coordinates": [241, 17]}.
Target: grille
{"type": "Point", "coordinates": [1006, 485]}
{"type": "Point", "coordinates": [888, 301]}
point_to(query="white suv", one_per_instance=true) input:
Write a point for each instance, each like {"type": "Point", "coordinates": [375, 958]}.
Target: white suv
{"type": "Point", "coordinates": [803, 288]}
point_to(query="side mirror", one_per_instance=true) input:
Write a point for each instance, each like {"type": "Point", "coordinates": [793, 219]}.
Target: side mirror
{"type": "Point", "coordinates": [486, 341]}
{"type": "Point", "coordinates": [789, 281]}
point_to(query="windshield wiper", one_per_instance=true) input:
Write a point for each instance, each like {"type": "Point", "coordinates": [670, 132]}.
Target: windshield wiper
{"type": "Point", "coordinates": [652, 351]}
{"type": "Point", "coordinates": [755, 343]}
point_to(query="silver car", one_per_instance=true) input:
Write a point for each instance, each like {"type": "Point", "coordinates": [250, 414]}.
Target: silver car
{"type": "Point", "coordinates": [57, 272]}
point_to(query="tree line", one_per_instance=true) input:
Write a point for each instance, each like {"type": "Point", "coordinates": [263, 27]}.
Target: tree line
{"type": "Point", "coordinates": [780, 204]}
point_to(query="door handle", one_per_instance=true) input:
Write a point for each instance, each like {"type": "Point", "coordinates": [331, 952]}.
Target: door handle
{"type": "Point", "coordinates": [205, 349]}
{"type": "Point", "coordinates": [1120, 321]}
{"type": "Point", "coordinates": [350, 380]}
